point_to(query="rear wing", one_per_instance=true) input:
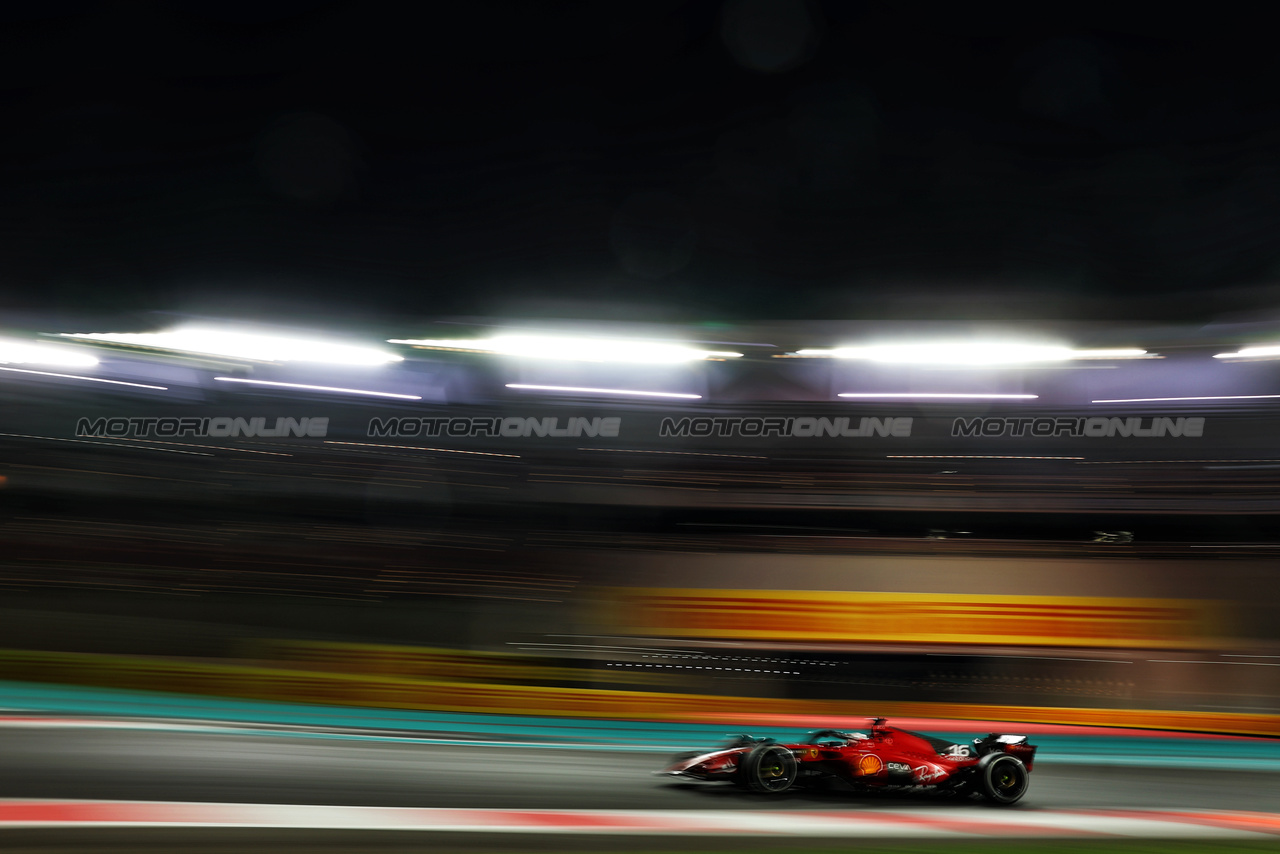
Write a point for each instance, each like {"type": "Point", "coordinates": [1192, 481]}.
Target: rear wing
{"type": "Point", "coordinates": [1014, 745]}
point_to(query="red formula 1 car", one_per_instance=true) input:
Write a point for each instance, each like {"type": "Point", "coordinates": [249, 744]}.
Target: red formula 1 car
{"type": "Point", "coordinates": [998, 766]}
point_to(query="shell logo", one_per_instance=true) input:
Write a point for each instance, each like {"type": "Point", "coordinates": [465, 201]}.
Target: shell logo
{"type": "Point", "coordinates": [869, 764]}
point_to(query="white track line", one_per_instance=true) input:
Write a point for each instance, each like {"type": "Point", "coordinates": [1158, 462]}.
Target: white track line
{"type": "Point", "coordinates": [907, 823]}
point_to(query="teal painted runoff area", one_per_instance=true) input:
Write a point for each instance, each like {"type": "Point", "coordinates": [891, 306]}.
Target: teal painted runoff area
{"type": "Point", "coordinates": [144, 709]}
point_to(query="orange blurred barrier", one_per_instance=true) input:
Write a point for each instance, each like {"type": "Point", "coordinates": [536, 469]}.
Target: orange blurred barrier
{"type": "Point", "coordinates": [789, 615]}
{"type": "Point", "coordinates": [422, 662]}
{"type": "Point", "coordinates": [303, 686]}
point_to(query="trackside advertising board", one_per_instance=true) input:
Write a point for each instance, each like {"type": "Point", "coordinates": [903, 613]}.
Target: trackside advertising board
{"type": "Point", "coordinates": [789, 615]}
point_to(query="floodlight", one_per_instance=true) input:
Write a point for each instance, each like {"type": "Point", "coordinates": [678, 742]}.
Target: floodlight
{"type": "Point", "coordinates": [575, 349]}
{"type": "Point", "coordinates": [1269, 351]}
{"type": "Point", "coordinates": [244, 345]}
{"type": "Point", "coordinates": [34, 353]}
{"type": "Point", "coordinates": [968, 353]}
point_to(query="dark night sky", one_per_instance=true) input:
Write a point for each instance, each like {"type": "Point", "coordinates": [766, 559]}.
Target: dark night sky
{"type": "Point", "coordinates": [733, 161]}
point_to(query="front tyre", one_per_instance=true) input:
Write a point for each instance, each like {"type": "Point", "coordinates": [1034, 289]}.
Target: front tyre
{"type": "Point", "coordinates": [770, 769]}
{"type": "Point", "coordinates": [1002, 778]}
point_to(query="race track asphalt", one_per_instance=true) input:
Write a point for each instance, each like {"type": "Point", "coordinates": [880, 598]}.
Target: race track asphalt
{"type": "Point", "coordinates": [95, 763]}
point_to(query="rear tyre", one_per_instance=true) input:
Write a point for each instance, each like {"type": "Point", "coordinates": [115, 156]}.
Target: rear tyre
{"type": "Point", "coordinates": [1002, 778]}
{"type": "Point", "coordinates": [770, 769]}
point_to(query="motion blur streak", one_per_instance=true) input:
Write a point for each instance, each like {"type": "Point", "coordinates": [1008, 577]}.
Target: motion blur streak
{"type": "Point", "coordinates": [106, 441]}
{"type": "Point", "coordinates": [22, 352]}
{"type": "Point", "coordinates": [1205, 397]}
{"type": "Point", "coordinates": [619, 391]}
{"type": "Point", "coordinates": [83, 378]}
{"type": "Point", "coordinates": [304, 387]}
{"type": "Point", "coordinates": [241, 345]}
{"type": "Point", "coordinates": [674, 453]}
{"type": "Point", "coordinates": [420, 448]}
{"type": "Point", "coordinates": [968, 353]}
{"type": "Point", "coordinates": [578, 349]}
{"type": "Point", "coordinates": [1267, 352]}
{"type": "Point", "coordinates": [189, 445]}
{"type": "Point", "coordinates": [923, 823]}
{"type": "Point", "coordinates": [909, 395]}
